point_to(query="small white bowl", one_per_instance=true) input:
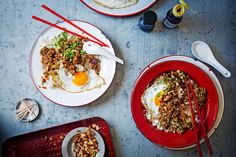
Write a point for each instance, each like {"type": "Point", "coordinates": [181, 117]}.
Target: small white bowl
{"type": "Point", "coordinates": [68, 141]}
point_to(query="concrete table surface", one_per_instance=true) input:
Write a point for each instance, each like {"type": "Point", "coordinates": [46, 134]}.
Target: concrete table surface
{"type": "Point", "coordinates": [212, 21]}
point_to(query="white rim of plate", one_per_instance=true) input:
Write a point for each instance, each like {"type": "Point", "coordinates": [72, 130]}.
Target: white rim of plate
{"type": "Point", "coordinates": [208, 71]}
{"type": "Point", "coordinates": [67, 142]}
{"type": "Point", "coordinates": [123, 12]}
{"type": "Point", "coordinates": [101, 90]}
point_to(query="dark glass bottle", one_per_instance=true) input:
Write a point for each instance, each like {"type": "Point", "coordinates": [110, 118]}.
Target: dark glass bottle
{"type": "Point", "coordinates": [174, 16]}
{"type": "Point", "coordinates": [147, 21]}
{"type": "Point", "coordinates": [171, 21]}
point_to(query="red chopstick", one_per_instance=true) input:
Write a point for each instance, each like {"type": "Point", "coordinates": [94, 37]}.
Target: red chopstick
{"type": "Point", "coordinates": [201, 121]}
{"type": "Point", "coordinates": [194, 123]}
{"type": "Point", "coordinates": [71, 23]}
{"type": "Point", "coordinates": [61, 28]}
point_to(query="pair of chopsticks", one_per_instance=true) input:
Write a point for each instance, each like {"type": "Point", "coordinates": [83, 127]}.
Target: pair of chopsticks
{"type": "Point", "coordinates": [201, 122]}
{"type": "Point", "coordinates": [95, 40]}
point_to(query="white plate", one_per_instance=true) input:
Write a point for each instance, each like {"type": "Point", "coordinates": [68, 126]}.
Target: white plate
{"type": "Point", "coordinates": [122, 12]}
{"type": "Point", "coordinates": [68, 140]}
{"type": "Point", "coordinates": [210, 74]}
{"type": "Point", "coordinates": [60, 96]}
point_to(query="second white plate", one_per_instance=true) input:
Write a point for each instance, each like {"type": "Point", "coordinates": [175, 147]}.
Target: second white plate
{"type": "Point", "coordinates": [122, 12]}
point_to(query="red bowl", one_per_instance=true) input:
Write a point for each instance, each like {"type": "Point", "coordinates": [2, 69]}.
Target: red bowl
{"type": "Point", "coordinates": [173, 140]}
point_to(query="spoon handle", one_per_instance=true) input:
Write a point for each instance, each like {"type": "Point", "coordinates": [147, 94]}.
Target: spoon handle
{"type": "Point", "coordinates": [118, 60]}
{"type": "Point", "coordinates": [95, 49]}
{"type": "Point", "coordinates": [113, 57]}
{"type": "Point", "coordinates": [220, 68]}
{"type": "Point", "coordinates": [103, 52]}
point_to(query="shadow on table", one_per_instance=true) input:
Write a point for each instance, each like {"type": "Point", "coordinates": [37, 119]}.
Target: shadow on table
{"type": "Point", "coordinates": [2, 138]}
{"type": "Point", "coordinates": [159, 4]}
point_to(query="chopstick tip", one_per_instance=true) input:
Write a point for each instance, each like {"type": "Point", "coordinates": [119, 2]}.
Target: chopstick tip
{"type": "Point", "coordinates": [43, 6]}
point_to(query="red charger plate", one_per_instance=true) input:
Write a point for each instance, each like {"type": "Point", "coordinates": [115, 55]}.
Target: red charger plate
{"type": "Point", "coordinates": [173, 140]}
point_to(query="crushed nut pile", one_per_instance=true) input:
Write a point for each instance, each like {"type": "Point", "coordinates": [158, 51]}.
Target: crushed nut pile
{"type": "Point", "coordinates": [85, 144]}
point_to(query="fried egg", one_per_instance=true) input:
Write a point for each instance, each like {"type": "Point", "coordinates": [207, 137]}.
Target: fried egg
{"type": "Point", "coordinates": [151, 100]}
{"type": "Point", "coordinates": [81, 81]}
{"type": "Point", "coordinates": [116, 4]}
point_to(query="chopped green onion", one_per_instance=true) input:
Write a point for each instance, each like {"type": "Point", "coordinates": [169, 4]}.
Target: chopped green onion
{"type": "Point", "coordinates": [82, 52]}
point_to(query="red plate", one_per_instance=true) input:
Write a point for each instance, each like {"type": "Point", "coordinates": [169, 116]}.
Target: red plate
{"type": "Point", "coordinates": [164, 139]}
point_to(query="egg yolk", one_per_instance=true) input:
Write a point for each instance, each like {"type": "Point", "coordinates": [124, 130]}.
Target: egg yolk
{"type": "Point", "coordinates": [80, 78]}
{"type": "Point", "coordinates": [157, 101]}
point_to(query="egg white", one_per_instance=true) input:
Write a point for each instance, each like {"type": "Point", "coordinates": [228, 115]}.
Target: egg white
{"type": "Point", "coordinates": [116, 4]}
{"type": "Point", "coordinates": [95, 81]}
{"type": "Point", "coordinates": [148, 100]}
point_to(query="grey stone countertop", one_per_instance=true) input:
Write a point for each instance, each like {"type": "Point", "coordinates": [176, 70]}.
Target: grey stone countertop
{"type": "Point", "coordinates": [212, 21]}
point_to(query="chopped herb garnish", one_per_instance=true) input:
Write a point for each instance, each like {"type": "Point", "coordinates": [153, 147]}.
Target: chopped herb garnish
{"type": "Point", "coordinates": [69, 54]}
{"type": "Point", "coordinates": [60, 39]}
{"type": "Point", "coordinates": [64, 34]}
{"type": "Point", "coordinates": [82, 52]}
{"type": "Point", "coordinates": [73, 46]}
{"type": "Point", "coordinates": [68, 45]}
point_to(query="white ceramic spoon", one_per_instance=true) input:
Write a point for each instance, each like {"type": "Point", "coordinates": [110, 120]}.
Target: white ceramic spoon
{"type": "Point", "coordinates": [95, 49]}
{"type": "Point", "coordinates": [203, 52]}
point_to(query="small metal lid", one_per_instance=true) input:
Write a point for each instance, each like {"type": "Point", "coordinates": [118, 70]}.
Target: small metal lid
{"type": "Point", "coordinates": [34, 110]}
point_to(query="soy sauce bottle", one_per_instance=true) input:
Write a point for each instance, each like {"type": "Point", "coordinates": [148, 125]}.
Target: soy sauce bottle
{"type": "Point", "coordinates": [175, 15]}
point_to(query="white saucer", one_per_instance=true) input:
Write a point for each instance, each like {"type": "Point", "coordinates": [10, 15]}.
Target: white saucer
{"type": "Point", "coordinates": [68, 140]}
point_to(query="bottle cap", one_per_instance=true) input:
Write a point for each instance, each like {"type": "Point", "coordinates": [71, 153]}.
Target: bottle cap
{"type": "Point", "coordinates": [178, 10]}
